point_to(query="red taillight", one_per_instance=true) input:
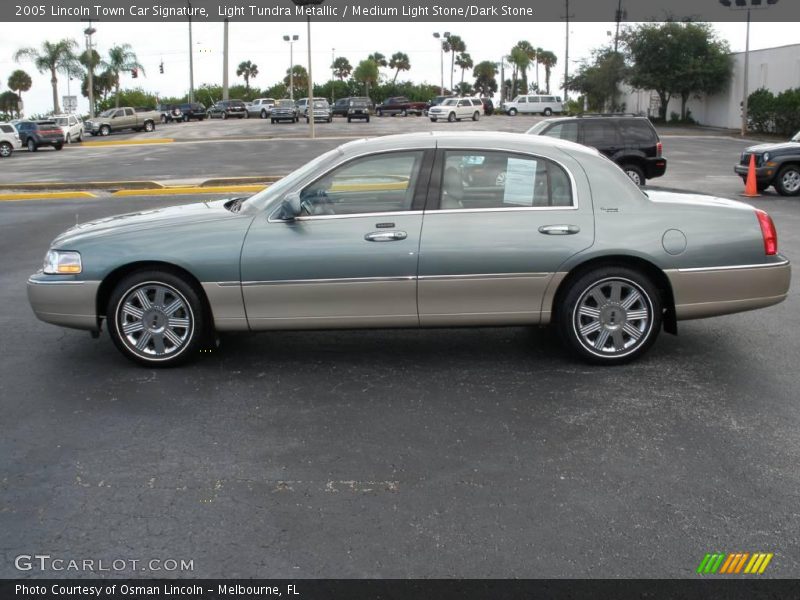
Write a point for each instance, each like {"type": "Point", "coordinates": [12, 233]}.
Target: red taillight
{"type": "Point", "coordinates": [768, 233]}
{"type": "Point", "coordinates": [659, 148]}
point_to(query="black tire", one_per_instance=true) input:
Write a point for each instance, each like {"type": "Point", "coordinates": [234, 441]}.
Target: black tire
{"type": "Point", "coordinates": [547, 112]}
{"type": "Point", "coordinates": [433, 120]}
{"type": "Point", "coordinates": [635, 173]}
{"type": "Point", "coordinates": [272, 121]}
{"type": "Point", "coordinates": [163, 120]}
{"type": "Point", "coordinates": [263, 114]}
{"type": "Point", "coordinates": [58, 146]}
{"type": "Point", "coordinates": [367, 119]}
{"type": "Point", "coordinates": [330, 119]}
{"type": "Point", "coordinates": [176, 289]}
{"type": "Point", "coordinates": [224, 116]}
{"type": "Point", "coordinates": [105, 130]}
{"type": "Point", "coordinates": [404, 112]}
{"type": "Point", "coordinates": [149, 126]}
{"type": "Point", "coordinates": [476, 115]}
{"type": "Point", "coordinates": [349, 120]}
{"type": "Point", "coordinates": [588, 332]}
{"type": "Point", "coordinates": [6, 150]}
{"type": "Point", "coordinates": [788, 181]}
{"type": "Point", "coordinates": [512, 112]}
{"type": "Point", "coordinates": [451, 118]}
{"type": "Point", "coordinates": [379, 112]}
{"type": "Point", "coordinates": [68, 139]}
{"type": "Point", "coordinates": [307, 121]}
{"type": "Point", "coordinates": [32, 147]}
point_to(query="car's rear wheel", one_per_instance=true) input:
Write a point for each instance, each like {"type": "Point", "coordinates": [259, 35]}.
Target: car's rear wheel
{"type": "Point", "coordinates": [58, 146]}
{"type": "Point", "coordinates": [68, 139]}
{"type": "Point", "coordinates": [404, 112]}
{"type": "Point", "coordinates": [451, 117]}
{"type": "Point", "coordinates": [6, 150]}
{"type": "Point", "coordinates": [224, 116]}
{"type": "Point", "coordinates": [163, 119]}
{"type": "Point", "coordinates": [476, 115]}
{"type": "Point", "coordinates": [547, 112]}
{"type": "Point", "coordinates": [610, 315]}
{"type": "Point", "coordinates": [149, 126]}
{"type": "Point", "coordinates": [635, 173]}
{"type": "Point", "coordinates": [433, 120]}
{"type": "Point", "coordinates": [263, 114]}
{"type": "Point", "coordinates": [156, 318]}
{"type": "Point", "coordinates": [31, 145]}
{"type": "Point", "coordinates": [379, 113]}
{"type": "Point", "coordinates": [788, 181]}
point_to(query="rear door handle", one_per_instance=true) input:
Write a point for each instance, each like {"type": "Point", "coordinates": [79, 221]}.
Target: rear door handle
{"type": "Point", "coordinates": [386, 236]}
{"type": "Point", "coordinates": [559, 229]}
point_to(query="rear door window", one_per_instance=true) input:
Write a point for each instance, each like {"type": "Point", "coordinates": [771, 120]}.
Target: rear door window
{"type": "Point", "coordinates": [599, 134]}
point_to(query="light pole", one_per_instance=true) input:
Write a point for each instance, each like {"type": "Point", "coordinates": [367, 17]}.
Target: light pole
{"type": "Point", "coordinates": [566, 18]}
{"type": "Point", "coordinates": [291, 41]}
{"type": "Point", "coordinates": [439, 39]}
{"type": "Point", "coordinates": [191, 56]}
{"type": "Point", "coordinates": [88, 32]}
{"type": "Point", "coordinates": [333, 77]}
{"type": "Point", "coordinates": [225, 95]}
{"type": "Point", "coordinates": [747, 5]}
{"type": "Point", "coordinates": [310, 101]}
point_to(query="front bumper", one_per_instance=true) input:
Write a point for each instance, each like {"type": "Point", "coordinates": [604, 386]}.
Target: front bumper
{"type": "Point", "coordinates": [763, 174]}
{"type": "Point", "coordinates": [713, 291]}
{"type": "Point", "coordinates": [63, 300]}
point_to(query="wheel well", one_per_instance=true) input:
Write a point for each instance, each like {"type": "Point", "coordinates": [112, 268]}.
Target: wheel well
{"type": "Point", "coordinates": [112, 279]}
{"type": "Point", "coordinates": [631, 160]}
{"type": "Point", "coordinates": [651, 271]}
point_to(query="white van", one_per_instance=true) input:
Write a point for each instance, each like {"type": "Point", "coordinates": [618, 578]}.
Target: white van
{"type": "Point", "coordinates": [528, 104]}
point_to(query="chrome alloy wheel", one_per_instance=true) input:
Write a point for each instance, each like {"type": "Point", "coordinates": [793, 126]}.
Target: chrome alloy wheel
{"type": "Point", "coordinates": [613, 317]}
{"type": "Point", "coordinates": [791, 180]}
{"type": "Point", "coordinates": [155, 321]}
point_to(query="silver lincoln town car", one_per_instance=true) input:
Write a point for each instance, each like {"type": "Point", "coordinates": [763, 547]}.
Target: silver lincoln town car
{"type": "Point", "coordinates": [421, 230]}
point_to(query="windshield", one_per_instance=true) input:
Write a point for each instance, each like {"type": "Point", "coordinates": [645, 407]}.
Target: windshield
{"type": "Point", "coordinates": [61, 121]}
{"type": "Point", "coordinates": [320, 104]}
{"type": "Point", "coordinates": [108, 113]}
{"type": "Point", "coordinates": [538, 128]}
{"type": "Point", "coordinates": [450, 102]}
{"type": "Point", "coordinates": [796, 137]}
{"type": "Point", "coordinates": [285, 104]}
{"type": "Point", "coordinates": [276, 190]}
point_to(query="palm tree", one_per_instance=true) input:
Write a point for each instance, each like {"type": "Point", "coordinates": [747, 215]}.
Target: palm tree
{"type": "Point", "coordinates": [464, 61]}
{"type": "Point", "coordinates": [485, 77]}
{"type": "Point", "coordinates": [19, 81]}
{"type": "Point", "coordinates": [55, 58]}
{"type": "Point", "coordinates": [399, 62]}
{"type": "Point", "coordinates": [520, 61]}
{"type": "Point", "coordinates": [247, 70]}
{"type": "Point", "coordinates": [379, 59]}
{"type": "Point", "coordinates": [453, 44]}
{"type": "Point", "coordinates": [538, 60]}
{"type": "Point", "coordinates": [530, 52]}
{"type": "Point", "coordinates": [367, 73]}
{"type": "Point", "coordinates": [549, 60]}
{"type": "Point", "coordinates": [122, 58]}
{"type": "Point", "coordinates": [341, 68]}
{"type": "Point", "coordinates": [299, 78]}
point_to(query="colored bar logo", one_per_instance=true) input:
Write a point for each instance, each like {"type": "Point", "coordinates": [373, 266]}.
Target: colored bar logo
{"type": "Point", "coordinates": [734, 563]}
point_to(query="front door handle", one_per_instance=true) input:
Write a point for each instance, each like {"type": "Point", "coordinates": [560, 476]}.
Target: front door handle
{"type": "Point", "coordinates": [386, 236]}
{"type": "Point", "coordinates": [559, 229]}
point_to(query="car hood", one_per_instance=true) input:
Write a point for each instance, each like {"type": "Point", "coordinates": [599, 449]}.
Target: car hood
{"type": "Point", "coordinates": [792, 146]}
{"type": "Point", "coordinates": [694, 199]}
{"type": "Point", "coordinates": [169, 216]}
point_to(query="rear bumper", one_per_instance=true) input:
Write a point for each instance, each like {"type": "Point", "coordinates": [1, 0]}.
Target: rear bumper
{"type": "Point", "coordinates": [713, 291]}
{"type": "Point", "coordinates": [655, 167]}
{"type": "Point", "coordinates": [68, 303]}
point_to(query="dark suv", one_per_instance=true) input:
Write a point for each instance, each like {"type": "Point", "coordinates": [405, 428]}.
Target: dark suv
{"type": "Point", "coordinates": [225, 109]}
{"type": "Point", "coordinates": [628, 140]}
{"type": "Point", "coordinates": [776, 164]}
{"type": "Point", "coordinates": [35, 134]}
{"type": "Point", "coordinates": [193, 110]}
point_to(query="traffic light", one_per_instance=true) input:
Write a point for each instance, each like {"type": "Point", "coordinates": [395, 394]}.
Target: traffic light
{"type": "Point", "coordinates": [134, 72]}
{"type": "Point", "coordinates": [161, 67]}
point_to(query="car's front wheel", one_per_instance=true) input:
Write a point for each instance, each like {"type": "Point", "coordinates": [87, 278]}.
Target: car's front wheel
{"type": "Point", "coordinates": [513, 112]}
{"type": "Point", "coordinates": [105, 130]}
{"type": "Point", "coordinates": [6, 150]}
{"type": "Point", "coordinates": [610, 315]}
{"type": "Point", "coordinates": [156, 318]}
{"type": "Point", "coordinates": [788, 181]}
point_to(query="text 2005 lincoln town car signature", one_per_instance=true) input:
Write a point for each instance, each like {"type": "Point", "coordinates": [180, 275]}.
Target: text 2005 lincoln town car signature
{"type": "Point", "coordinates": [419, 230]}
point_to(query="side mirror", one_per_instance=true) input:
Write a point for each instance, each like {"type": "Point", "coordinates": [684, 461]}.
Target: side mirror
{"type": "Point", "coordinates": [290, 207]}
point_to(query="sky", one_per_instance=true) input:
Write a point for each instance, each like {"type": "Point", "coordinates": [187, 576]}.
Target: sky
{"type": "Point", "coordinates": [262, 43]}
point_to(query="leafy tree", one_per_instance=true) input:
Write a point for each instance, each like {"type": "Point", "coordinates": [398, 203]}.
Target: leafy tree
{"type": "Point", "coordinates": [20, 81]}
{"type": "Point", "coordinates": [453, 44]}
{"type": "Point", "coordinates": [485, 78]}
{"type": "Point", "coordinates": [379, 59]}
{"type": "Point", "coordinates": [761, 111]}
{"type": "Point", "coordinates": [366, 73]}
{"type": "Point", "coordinates": [464, 89]}
{"type": "Point", "coordinates": [122, 58]}
{"type": "Point", "coordinates": [599, 79]}
{"type": "Point", "coordinates": [9, 104]}
{"type": "Point", "coordinates": [787, 112]}
{"type": "Point", "coordinates": [677, 59]}
{"type": "Point", "coordinates": [464, 62]}
{"type": "Point", "coordinates": [54, 58]}
{"type": "Point", "coordinates": [548, 60]}
{"type": "Point", "coordinates": [399, 62]}
{"type": "Point", "coordinates": [299, 79]}
{"type": "Point", "coordinates": [248, 71]}
{"type": "Point", "coordinates": [135, 97]}
{"type": "Point", "coordinates": [341, 68]}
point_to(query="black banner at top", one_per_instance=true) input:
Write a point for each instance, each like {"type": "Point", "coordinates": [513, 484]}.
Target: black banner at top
{"type": "Point", "coordinates": [397, 10]}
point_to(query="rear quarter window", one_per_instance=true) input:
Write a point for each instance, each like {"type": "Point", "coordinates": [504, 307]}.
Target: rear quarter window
{"type": "Point", "coordinates": [638, 132]}
{"type": "Point", "coordinates": [6, 129]}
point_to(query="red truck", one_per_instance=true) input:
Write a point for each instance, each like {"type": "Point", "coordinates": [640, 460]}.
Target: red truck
{"type": "Point", "coordinates": [400, 105]}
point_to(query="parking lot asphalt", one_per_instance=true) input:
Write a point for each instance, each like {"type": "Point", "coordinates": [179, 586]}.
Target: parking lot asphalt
{"type": "Point", "coordinates": [402, 453]}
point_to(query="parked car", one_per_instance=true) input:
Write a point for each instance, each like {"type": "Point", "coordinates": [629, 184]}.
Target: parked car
{"type": "Point", "coordinates": [455, 109]}
{"type": "Point", "coordinates": [170, 113]}
{"type": "Point", "coordinates": [534, 104]}
{"type": "Point", "coordinates": [9, 140]}
{"type": "Point", "coordinates": [630, 141]}
{"type": "Point", "coordinates": [72, 126]}
{"type": "Point", "coordinates": [261, 107]}
{"type": "Point", "coordinates": [193, 110]}
{"type": "Point", "coordinates": [470, 229]}
{"type": "Point", "coordinates": [119, 119]}
{"type": "Point", "coordinates": [302, 106]}
{"type": "Point", "coordinates": [437, 100]}
{"type": "Point", "coordinates": [776, 165]}
{"type": "Point", "coordinates": [284, 110]}
{"type": "Point", "coordinates": [488, 106]}
{"type": "Point", "coordinates": [342, 105]}
{"type": "Point", "coordinates": [228, 109]}
{"type": "Point", "coordinates": [358, 108]}
{"type": "Point", "coordinates": [321, 111]}
{"type": "Point", "coordinates": [35, 134]}
{"type": "Point", "coordinates": [400, 105]}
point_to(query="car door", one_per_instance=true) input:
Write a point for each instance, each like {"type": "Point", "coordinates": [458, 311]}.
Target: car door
{"type": "Point", "coordinates": [350, 258]}
{"type": "Point", "coordinates": [497, 226]}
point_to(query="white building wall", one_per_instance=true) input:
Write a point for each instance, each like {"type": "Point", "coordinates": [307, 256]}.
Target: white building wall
{"type": "Point", "coordinates": [776, 69]}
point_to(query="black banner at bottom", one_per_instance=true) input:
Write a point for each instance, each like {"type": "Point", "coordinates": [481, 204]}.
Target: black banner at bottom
{"type": "Point", "coordinates": [396, 589]}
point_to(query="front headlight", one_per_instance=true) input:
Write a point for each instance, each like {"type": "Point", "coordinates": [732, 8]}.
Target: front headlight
{"type": "Point", "coordinates": [766, 156]}
{"type": "Point", "coordinates": [58, 262]}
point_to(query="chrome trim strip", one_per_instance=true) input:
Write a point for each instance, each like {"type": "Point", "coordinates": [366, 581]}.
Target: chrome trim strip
{"type": "Point", "coordinates": [317, 281]}
{"type": "Point", "coordinates": [33, 281]}
{"type": "Point", "coordinates": [228, 283]}
{"type": "Point", "coordinates": [396, 213]}
{"type": "Point", "coordinates": [479, 210]}
{"type": "Point", "coordinates": [733, 267]}
{"type": "Point", "coordinates": [484, 276]}
{"type": "Point", "coordinates": [383, 279]}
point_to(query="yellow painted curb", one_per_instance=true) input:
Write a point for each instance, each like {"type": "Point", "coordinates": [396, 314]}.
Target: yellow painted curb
{"type": "Point", "coordinates": [129, 142]}
{"type": "Point", "coordinates": [169, 191]}
{"type": "Point", "coordinates": [44, 196]}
